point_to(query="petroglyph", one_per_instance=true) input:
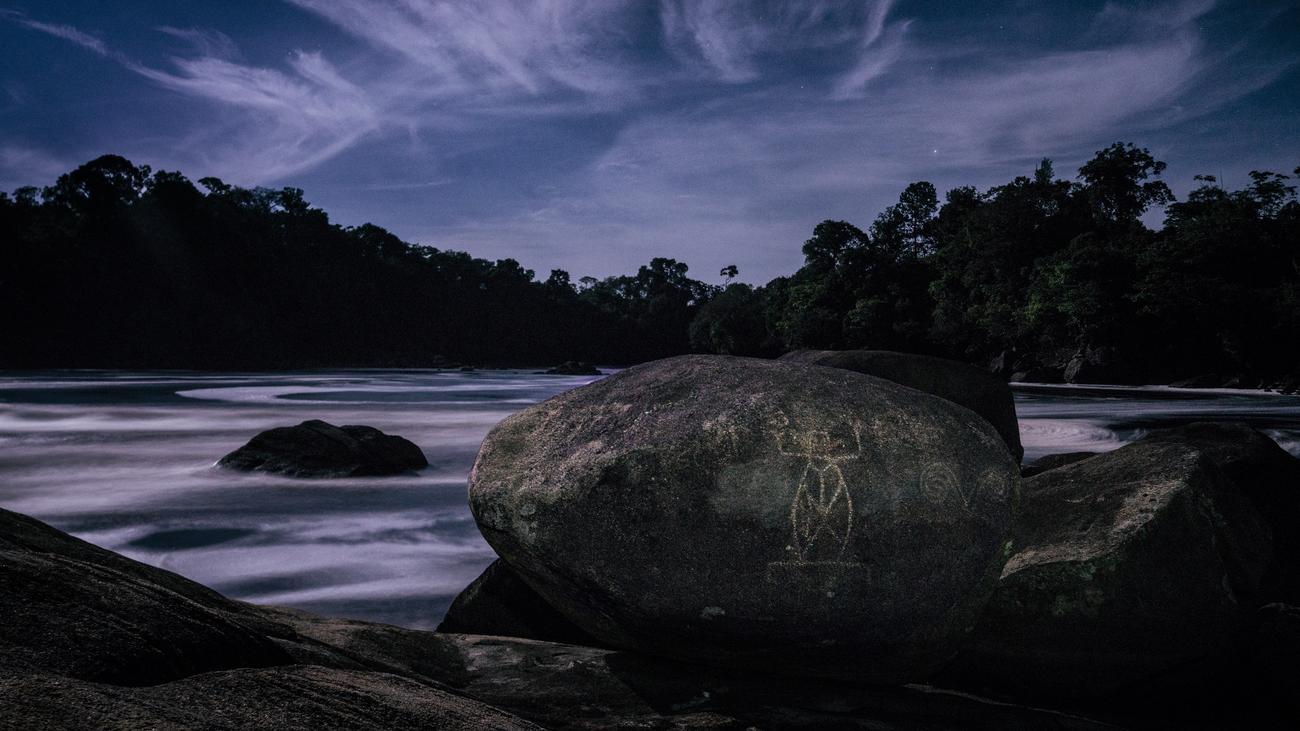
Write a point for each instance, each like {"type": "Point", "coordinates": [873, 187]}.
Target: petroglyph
{"type": "Point", "coordinates": [821, 513]}
{"type": "Point", "coordinates": [940, 485]}
{"type": "Point", "coordinates": [995, 489]}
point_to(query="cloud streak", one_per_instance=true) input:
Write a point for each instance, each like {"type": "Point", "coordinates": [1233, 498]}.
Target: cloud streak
{"type": "Point", "coordinates": [538, 127]}
{"type": "Point", "coordinates": [67, 33]}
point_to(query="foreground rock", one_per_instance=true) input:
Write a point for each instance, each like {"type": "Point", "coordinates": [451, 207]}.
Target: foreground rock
{"type": "Point", "coordinates": [1135, 568]}
{"type": "Point", "coordinates": [963, 384]}
{"type": "Point", "coordinates": [754, 513]}
{"type": "Point", "coordinates": [317, 449]}
{"type": "Point", "coordinates": [565, 686]}
{"type": "Point", "coordinates": [498, 602]}
{"type": "Point", "coordinates": [303, 697]}
{"type": "Point", "coordinates": [342, 674]}
{"type": "Point", "coordinates": [102, 617]}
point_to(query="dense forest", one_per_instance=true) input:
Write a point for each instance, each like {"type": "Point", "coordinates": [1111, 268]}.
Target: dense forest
{"type": "Point", "coordinates": [116, 265]}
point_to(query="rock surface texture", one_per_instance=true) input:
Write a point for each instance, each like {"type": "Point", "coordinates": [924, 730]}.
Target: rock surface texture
{"type": "Point", "coordinates": [754, 513]}
{"type": "Point", "coordinates": [1266, 475]}
{"type": "Point", "coordinates": [961, 383]}
{"type": "Point", "coordinates": [1134, 568]}
{"type": "Point", "coordinates": [106, 618]}
{"type": "Point", "coordinates": [317, 449]}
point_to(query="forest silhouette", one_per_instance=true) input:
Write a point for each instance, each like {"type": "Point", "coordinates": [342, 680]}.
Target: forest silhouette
{"type": "Point", "coordinates": [1042, 278]}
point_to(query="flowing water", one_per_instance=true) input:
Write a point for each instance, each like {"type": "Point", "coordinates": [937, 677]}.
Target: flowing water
{"type": "Point", "coordinates": [126, 461]}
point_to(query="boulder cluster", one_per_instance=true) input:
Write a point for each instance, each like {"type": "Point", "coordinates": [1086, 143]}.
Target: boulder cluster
{"type": "Point", "coordinates": [861, 516]}
{"type": "Point", "coordinates": [833, 540]}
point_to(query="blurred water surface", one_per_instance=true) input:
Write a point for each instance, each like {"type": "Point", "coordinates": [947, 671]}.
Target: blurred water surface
{"type": "Point", "coordinates": [125, 460]}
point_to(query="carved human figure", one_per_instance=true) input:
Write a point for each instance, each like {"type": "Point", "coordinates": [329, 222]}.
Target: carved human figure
{"type": "Point", "coordinates": [821, 513]}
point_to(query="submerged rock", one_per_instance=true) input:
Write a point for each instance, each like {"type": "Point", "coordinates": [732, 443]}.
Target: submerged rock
{"type": "Point", "coordinates": [498, 602]}
{"type": "Point", "coordinates": [961, 383]}
{"type": "Point", "coordinates": [1132, 568]}
{"type": "Point", "coordinates": [573, 368]}
{"type": "Point", "coordinates": [754, 513]}
{"type": "Point", "coordinates": [317, 449]}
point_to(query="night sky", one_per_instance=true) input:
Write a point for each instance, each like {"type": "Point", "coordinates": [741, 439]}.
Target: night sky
{"type": "Point", "coordinates": [591, 136]}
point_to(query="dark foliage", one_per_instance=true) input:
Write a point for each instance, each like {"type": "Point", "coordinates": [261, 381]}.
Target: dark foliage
{"type": "Point", "coordinates": [1046, 279]}
{"type": "Point", "coordinates": [118, 266]}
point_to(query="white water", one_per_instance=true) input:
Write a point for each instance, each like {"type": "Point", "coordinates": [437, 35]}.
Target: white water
{"type": "Point", "coordinates": [125, 461]}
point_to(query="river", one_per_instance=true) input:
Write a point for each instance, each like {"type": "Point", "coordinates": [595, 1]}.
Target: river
{"type": "Point", "coordinates": [125, 460]}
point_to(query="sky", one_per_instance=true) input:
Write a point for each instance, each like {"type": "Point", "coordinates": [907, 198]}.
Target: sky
{"type": "Point", "coordinates": [593, 135]}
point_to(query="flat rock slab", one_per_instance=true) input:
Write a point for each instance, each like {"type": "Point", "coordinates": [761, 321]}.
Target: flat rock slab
{"type": "Point", "coordinates": [317, 449]}
{"type": "Point", "coordinates": [754, 513]}
{"type": "Point", "coordinates": [294, 698]}
{"type": "Point", "coordinates": [70, 608]}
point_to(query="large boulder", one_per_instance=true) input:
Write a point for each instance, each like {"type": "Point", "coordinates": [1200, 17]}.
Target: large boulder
{"type": "Point", "coordinates": [317, 449]}
{"type": "Point", "coordinates": [1266, 475]}
{"type": "Point", "coordinates": [1134, 568]}
{"type": "Point", "coordinates": [754, 513]}
{"type": "Point", "coordinates": [961, 383]}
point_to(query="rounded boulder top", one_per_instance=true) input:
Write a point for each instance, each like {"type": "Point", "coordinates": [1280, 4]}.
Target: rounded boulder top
{"type": "Point", "coordinates": [960, 383]}
{"type": "Point", "coordinates": [754, 513]}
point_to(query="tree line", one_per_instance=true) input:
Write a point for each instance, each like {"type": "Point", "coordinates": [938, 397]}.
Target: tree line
{"type": "Point", "coordinates": [1041, 278]}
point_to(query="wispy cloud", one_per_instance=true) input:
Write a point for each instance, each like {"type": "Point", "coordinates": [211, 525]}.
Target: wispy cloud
{"type": "Point", "coordinates": [739, 173]}
{"type": "Point", "coordinates": [525, 45]}
{"type": "Point", "coordinates": [204, 41]}
{"type": "Point", "coordinates": [26, 165]}
{"type": "Point", "coordinates": [654, 127]}
{"type": "Point", "coordinates": [880, 48]}
{"type": "Point", "coordinates": [732, 37]}
{"type": "Point", "coordinates": [66, 32]}
{"type": "Point", "coordinates": [297, 119]}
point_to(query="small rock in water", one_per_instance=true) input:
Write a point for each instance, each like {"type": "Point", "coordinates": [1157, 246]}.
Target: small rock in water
{"type": "Point", "coordinates": [317, 449]}
{"type": "Point", "coordinates": [573, 368]}
{"type": "Point", "coordinates": [752, 513]}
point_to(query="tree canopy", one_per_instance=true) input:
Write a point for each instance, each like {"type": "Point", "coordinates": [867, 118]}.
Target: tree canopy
{"type": "Point", "coordinates": [116, 265]}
